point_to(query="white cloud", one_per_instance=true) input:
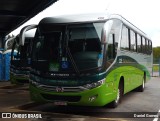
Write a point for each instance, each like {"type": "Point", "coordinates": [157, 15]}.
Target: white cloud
{"type": "Point", "coordinates": [142, 13]}
{"type": "Point", "coordinates": [156, 39]}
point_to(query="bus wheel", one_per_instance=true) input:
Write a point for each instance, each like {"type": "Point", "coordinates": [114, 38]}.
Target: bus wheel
{"type": "Point", "coordinates": [141, 88]}
{"type": "Point", "coordinates": [115, 103]}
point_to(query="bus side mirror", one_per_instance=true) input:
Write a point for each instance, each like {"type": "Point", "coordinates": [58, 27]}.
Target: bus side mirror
{"type": "Point", "coordinates": [103, 37]}
{"type": "Point", "coordinates": [6, 43]}
{"type": "Point", "coordinates": [106, 31]}
{"type": "Point", "coordinates": [22, 33]}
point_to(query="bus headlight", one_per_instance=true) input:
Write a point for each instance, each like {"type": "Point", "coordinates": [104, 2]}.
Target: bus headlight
{"type": "Point", "coordinates": [95, 84]}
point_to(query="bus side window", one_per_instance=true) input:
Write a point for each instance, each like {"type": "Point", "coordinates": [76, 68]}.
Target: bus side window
{"type": "Point", "coordinates": [147, 47]}
{"type": "Point", "coordinates": [139, 44]}
{"type": "Point", "coordinates": [143, 45]}
{"type": "Point", "coordinates": [133, 41]}
{"type": "Point", "coordinates": [125, 38]}
{"type": "Point", "coordinates": [111, 52]}
{"type": "Point", "coordinates": [150, 47]}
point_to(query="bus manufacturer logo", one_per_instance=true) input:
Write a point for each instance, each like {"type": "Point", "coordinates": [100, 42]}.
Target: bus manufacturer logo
{"type": "Point", "coordinates": [59, 89]}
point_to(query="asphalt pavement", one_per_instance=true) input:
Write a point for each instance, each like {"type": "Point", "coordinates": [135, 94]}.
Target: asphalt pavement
{"type": "Point", "coordinates": [135, 106]}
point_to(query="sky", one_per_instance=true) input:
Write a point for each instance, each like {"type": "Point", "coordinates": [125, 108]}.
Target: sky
{"type": "Point", "coordinates": [142, 13]}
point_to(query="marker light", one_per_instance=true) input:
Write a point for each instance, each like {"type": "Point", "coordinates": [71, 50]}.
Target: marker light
{"type": "Point", "coordinates": [92, 98]}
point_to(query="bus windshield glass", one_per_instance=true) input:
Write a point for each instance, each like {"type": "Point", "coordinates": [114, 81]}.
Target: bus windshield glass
{"type": "Point", "coordinates": [70, 47]}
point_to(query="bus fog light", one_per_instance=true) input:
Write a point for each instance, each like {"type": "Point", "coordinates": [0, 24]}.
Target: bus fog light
{"type": "Point", "coordinates": [92, 98]}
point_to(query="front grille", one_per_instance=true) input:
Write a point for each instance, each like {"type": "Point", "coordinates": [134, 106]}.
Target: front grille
{"type": "Point", "coordinates": [65, 89]}
{"type": "Point", "coordinates": [20, 75]}
{"type": "Point", "coordinates": [61, 98]}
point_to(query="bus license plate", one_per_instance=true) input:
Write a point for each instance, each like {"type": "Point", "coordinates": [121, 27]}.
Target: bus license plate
{"type": "Point", "coordinates": [60, 103]}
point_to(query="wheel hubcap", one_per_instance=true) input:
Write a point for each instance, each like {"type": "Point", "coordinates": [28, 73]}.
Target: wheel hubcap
{"type": "Point", "coordinates": [118, 96]}
{"type": "Point", "coordinates": [143, 84]}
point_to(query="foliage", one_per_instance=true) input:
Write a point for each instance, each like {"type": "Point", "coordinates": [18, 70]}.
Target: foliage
{"type": "Point", "coordinates": [155, 68]}
{"type": "Point", "coordinates": [156, 52]}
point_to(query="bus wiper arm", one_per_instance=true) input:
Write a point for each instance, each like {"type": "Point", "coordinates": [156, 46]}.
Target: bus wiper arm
{"type": "Point", "coordinates": [72, 60]}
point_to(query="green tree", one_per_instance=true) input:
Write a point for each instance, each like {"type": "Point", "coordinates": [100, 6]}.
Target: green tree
{"type": "Point", "coordinates": [156, 54]}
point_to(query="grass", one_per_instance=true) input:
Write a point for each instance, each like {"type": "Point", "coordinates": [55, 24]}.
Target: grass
{"type": "Point", "coordinates": [155, 68]}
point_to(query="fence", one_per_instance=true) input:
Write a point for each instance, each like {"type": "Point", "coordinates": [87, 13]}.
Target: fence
{"type": "Point", "coordinates": [156, 67]}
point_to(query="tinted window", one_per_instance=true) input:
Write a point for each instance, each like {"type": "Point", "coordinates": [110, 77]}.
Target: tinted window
{"type": "Point", "coordinates": [139, 47]}
{"type": "Point", "coordinates": [132, 41]}
{"type": "Point", "coordinates": [124, 39]}
{"type": "Point", "coordinates": [143, 45]}
{"type": "Point", "coordinates": [113, 38]}
{"type": "Point", "coordinates": [150, 47]}
{"type": "Point", "coordinates": [78, 45]}
{"type": "Point", "coordinates": [147, 46]}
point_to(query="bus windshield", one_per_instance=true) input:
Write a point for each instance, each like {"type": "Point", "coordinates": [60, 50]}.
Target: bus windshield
{"type": "Point", "coordinates": [71, 47]}
{"type": "Point", "coordinates": [20, 58]}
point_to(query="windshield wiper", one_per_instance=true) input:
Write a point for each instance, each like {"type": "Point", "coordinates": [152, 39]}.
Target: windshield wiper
{"type": "Point", "coordinates": [72, 60]}
{"type": "Point", "coordinates": [69, 53]}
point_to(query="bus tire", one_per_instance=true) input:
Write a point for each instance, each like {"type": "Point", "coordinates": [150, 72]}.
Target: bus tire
{"type": "Point", "coordinates": [118, 99]}
{"type": "Point", "coordinates": [142, 87]}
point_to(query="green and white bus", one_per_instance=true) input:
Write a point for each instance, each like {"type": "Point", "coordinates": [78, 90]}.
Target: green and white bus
{"type": "Point", "coordinates": [20, 61]}
{"type": "Point", "coordinates": [88, 60]}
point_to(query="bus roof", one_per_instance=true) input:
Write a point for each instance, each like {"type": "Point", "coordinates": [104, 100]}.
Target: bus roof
{"type": "Point", "coordinates": [129, 24]}
{"type": "Point", "coordinates": [78, 18]}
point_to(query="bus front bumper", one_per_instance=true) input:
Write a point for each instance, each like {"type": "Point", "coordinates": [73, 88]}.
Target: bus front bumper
{"type": "Point", "coordinates": [99, 96]}
{"type": "Point", "coordinates": [19, 79]}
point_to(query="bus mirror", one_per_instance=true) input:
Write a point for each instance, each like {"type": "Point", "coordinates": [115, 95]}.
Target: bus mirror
{"type": "Point", "coordinates": [103, 38]}
{"type": "Point", "coordinates": [106, 30]}
{"type": "Point", "coordinates": [22, 33]}
{"type": "Point", "coordinates": [7, 41]}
